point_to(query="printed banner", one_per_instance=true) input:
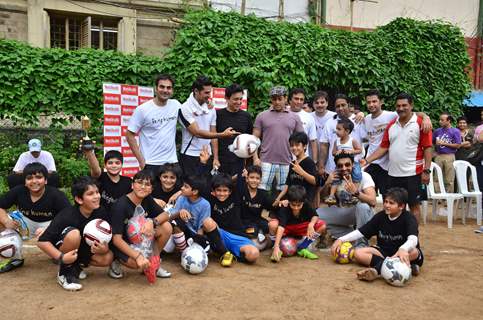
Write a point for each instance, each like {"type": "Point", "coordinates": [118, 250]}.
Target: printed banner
{"type": "Point", "coordinates": [219, 102]}
{"type": "Point", "coordinates": [120, 100]}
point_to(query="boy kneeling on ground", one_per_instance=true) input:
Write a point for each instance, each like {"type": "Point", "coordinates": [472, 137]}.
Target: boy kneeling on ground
{"type": "Point", "coordinates": [63, 240]}
{"type": "Point", "coordinates": [397, 236]}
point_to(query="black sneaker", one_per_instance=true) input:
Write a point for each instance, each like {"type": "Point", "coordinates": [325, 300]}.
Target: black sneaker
{"type": "Point", "coordinates": [67, 277]}
{"type": "Point", "coordinates": [415, 270]}
{"type": "Point", "coordinates": [10, 264]}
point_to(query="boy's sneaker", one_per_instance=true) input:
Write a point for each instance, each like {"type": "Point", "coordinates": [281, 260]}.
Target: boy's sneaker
{"type": "Point", "coordinates": [368, 274]}
{"type": "Point", "coordinates": [415, 270]}
{"type": "Point", "coordinates": [163, 273]}
{"type": "Point", "coordinates": [115, 270]}
{"type": "Point", "coordinates": [227, 259]}
{"type": "Point", "coordinates": [330, 200]}
{"type": "Point", "coordinates": [67, 278]}
{"type": "Point", "coordinates": [10, 264]}
{"type": "Point", "coordinates": [305, 253]}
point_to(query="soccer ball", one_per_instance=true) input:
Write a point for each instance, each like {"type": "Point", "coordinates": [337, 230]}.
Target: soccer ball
{"type": "Point", "coordinates": [194, 259]}
{"type": "Point", "coordinates": [395, 272]}
{"type": "Point", "coordinates": [97, 230]}
{"type": "Point", "coordinates": [346, 253]}
{"type": "Point", "coordinates": [133, 229]}
{"type": "Point", "coordinates": [288, 246]}
{"type": "Point", "coordinates": [244, 145]}
{"type": "Point", "coordinates": [10, 244]}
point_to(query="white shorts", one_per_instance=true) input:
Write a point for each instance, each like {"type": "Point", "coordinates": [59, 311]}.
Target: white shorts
{"type": "Point", "coordinates": [34, 225]}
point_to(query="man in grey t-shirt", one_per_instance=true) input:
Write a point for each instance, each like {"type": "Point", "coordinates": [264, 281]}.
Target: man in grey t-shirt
{"type": "Point", "coordinates": [274, 126]}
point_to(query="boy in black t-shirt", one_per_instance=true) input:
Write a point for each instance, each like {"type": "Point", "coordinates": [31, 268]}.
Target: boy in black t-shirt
{"type": "Point", "coordinates": [63, 240]}
{"type": "Point", "coordinates": [112, 185]}
{"type": "Point", "coordinates": [302, 170]}
{"type": "Point", "coordinates": [397, 236]}
{"type": "Point", "coordinates": [157, 225]}
{"type": "Point", "coordinates": [231, 117]}
{"type": "Point", "coordinates": [169, 187]}
{"type": "Point", "coordinates": [253, 201]}
{"type": "Point", "coordinates": [297, 219]}
{"type": "Point", "coordinates": [37, 204]}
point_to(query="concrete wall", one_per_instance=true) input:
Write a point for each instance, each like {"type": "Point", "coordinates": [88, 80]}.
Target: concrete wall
{"type": "Point", "coordinates": [13, 20]}
{"type": "Point", "coordinates": [154, 37]}
{"type": "Point", "coordinates": [369, 15]}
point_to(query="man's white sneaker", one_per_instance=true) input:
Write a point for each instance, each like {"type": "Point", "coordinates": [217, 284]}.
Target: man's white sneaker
{"type": "Point", "coordinates": [163, 273]}
{"type": "Point", "coordinates": [68, 283]}
{"type": "Point", "coordinates": [115, 270]}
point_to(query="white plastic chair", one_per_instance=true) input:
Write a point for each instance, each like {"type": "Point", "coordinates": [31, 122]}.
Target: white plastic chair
{"type": "Point", "coordinates": [442, 195]}
{"type": "Point", "coordinates": [461, 168]}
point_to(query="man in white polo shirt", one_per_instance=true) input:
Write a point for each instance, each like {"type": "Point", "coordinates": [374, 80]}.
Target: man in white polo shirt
{"type": "Point", "coordinates": [409, 149]}
{"type": "Point", "coordinates": [199, 126]}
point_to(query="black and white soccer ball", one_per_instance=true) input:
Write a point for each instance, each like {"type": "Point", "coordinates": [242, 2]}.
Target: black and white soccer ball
{"type": "Point", "coordinates": [395, 272]}
{"type": "Point", "coordinates": [10, 244]}
{"type": "Point", "coordinates": [245, 145]}
{"type": "Point", "coordinates": [194, 258]}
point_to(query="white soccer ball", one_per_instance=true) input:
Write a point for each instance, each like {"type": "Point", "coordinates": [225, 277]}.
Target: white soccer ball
{"type": "Point", "coordinates": [10, 244]}
{"type": "Point", "coordinates": [194, 258]}
{"type": "Point", "coordinates": [97, 230]}
{"type": "Point", "coordinates": [395, 272]}
{"type": "Point", "coordinates": [244, 145]}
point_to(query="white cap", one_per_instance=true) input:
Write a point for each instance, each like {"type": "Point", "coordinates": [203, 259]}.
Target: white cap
{"type": "Point", "coordinates": [35, 145]}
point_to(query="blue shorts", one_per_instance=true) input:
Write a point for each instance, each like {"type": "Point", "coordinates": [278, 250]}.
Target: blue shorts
{"type": "Point", "coordinates": [234, 242]}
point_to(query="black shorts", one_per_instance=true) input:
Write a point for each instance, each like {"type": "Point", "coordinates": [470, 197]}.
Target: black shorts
{"type": "Point", "coordinates": [380, 177]}
{"type": "Point", "coordinates": [411, 184]}
{"type": "Point", "coordinates": [257, 226]}
{"type": "Point", "coordinates": [419, 260]}
{"type": "Point", "coordinates": [84, 253]}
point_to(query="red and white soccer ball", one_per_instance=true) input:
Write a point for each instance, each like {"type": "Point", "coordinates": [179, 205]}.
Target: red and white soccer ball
{"type": "Point", "coordinates": [10, 244]}
{"type": "Point", "coordinates": [97, 230]}
{"type": "Point", "coordinates": [244, 145]}
{"type": "Point", "coordinates": [288, 246]}
{"type": "Point", "coordinates": [133, 229]}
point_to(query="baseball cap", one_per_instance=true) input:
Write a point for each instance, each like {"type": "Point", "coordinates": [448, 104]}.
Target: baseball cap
{"type": "Point", "coordinates": [278, 91]}
{"type": "Point", "coordinates": [35, 145]}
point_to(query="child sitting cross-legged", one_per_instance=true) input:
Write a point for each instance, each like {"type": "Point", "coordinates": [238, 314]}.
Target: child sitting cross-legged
{"type": "Point", "coordinates": [397, 236]}
{"type": "Point", "coordinates": [298, 219]}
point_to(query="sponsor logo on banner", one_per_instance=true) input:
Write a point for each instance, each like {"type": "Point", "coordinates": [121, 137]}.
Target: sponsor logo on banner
{"type": "Point", "coordinates": [146, 92]}
{"type": "Point", "coordinates": [123, 131]}
{"type": "Point", "coordinates": [112, 120]}
{"type": "Point", "coordinates": [112, 98]}
{"type": "Point", "coordinates": [126, 89]}
{"type": "Point", "coordinates": [111, 88]}
{"type": "Point", "coordinates": [127, 110]}
{"type": "Point", "coordinates": [125, 120]}
{"type": "Point", "coordinates": [144, 99]}
{"type": "Point", "coordinates": [112, 109]}
{"type": "Point", "coordinates": [127, 152]}
{"type": "Point", "coordinates": [112, 131]}
{"type": "Point", "coordinates": [218, 101]}
{"type": "Point", "coordinates": [112, 141]}
{"type": "Point", "coordinates": [127, 100]}
{"type": "Point", "coordinates": [130, 172]}
{"type": "Point", "coordinates": [130, 162]}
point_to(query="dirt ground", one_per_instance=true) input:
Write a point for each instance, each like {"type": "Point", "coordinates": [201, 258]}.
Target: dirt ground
{"type": "Point", "coordinates": [450, 287]}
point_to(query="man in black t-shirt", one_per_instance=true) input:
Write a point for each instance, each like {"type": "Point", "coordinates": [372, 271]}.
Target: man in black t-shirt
{"type": "Point", "coordinates": [157, 226]}
{"type": "Point", "coordinates": [298, 219]}
{"type": "Point", "coordinates": [112, 185]}
{"type": "Point", "coordinates": [302, 170]}
{"type": "Point", "coordinates": [37, 204]}
{"type": "Point", "coordinates": [231, 117]}
{"type": "Point", "coordinates": [63, 240]}
{"type": "Point", "coordinates": [397, 236]}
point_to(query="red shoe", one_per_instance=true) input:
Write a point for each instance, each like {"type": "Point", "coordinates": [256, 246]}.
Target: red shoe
{"type": "Point", "coordinates": [150, 272]}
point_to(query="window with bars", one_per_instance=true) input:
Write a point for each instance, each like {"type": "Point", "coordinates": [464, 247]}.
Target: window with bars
{"type": "Point", "coordinates": [75, 32]}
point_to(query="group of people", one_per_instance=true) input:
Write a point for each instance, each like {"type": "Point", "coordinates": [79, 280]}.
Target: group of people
{"type": "Point", "coordinates": [239, 207]}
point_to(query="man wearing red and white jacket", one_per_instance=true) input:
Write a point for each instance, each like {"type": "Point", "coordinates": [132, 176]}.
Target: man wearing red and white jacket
{"type": "Point", "coordinates": [409, 150]}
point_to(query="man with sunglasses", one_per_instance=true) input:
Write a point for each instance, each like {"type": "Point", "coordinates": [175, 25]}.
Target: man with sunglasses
{"type": "Point", "coordinates": [345, 216]}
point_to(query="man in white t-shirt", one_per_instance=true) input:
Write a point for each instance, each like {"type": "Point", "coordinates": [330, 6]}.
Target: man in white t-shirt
{"type": "Point", "coordinates": [346, 216]}
{"type": "Point", "coordinates": [35, 154]}
{"type": "Point", "coordinates": [155, 122]}
{"type": "Point", "coordinates": [321, 115]}
{"type": "Point", "coordinates": [329, 136]}
{"type": "Point", "coordinates": [375, 124]}
{"type": "Point", "coordinates": [296, 98]}
{"type": "Point", "coordinates": [199, 126]}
